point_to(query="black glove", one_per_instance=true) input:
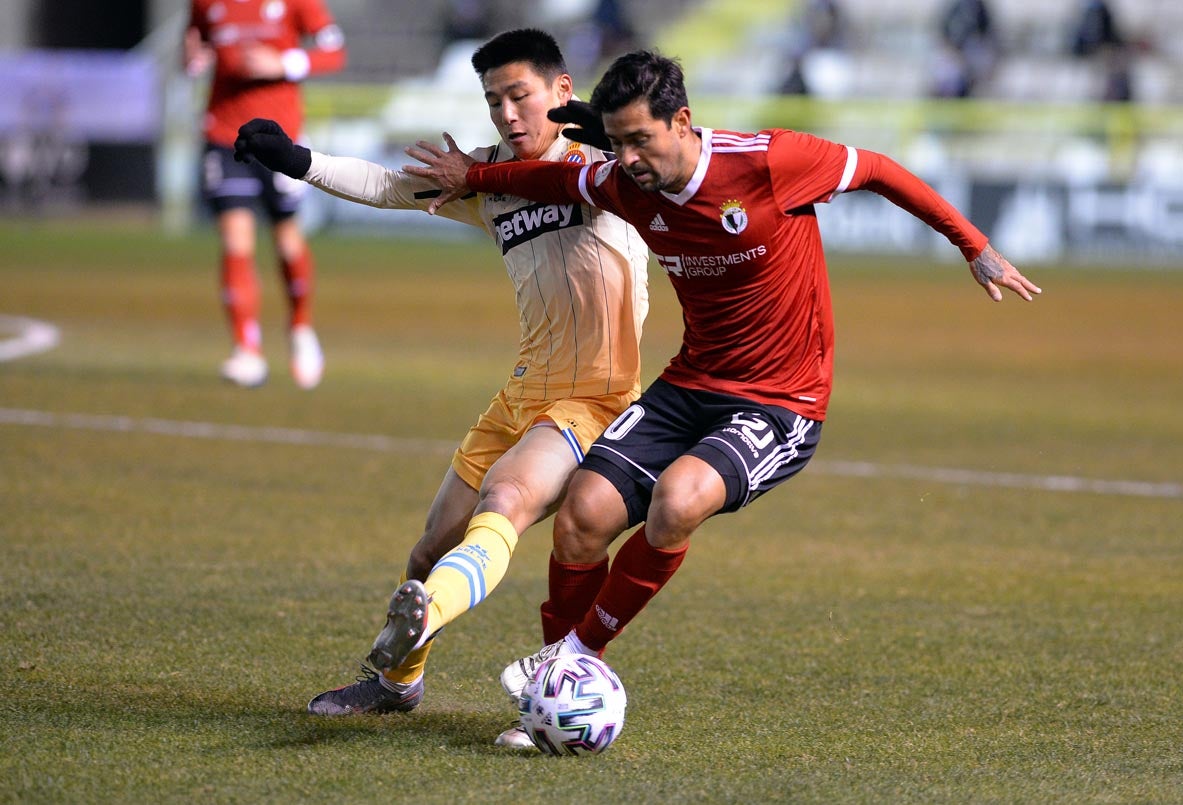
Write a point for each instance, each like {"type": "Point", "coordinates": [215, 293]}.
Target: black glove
{"type": "Point", "coordinates": [584, 115]}
{"type": "Point", "coordinates": [266, 141]}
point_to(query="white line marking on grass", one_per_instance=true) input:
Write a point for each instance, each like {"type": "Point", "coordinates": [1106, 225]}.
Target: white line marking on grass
{"type": "Point", "coordinates": [390, 444]}
{"type": "Point", "coordinates": [211, 430]}
{"type": "Point", "coordinates": [32, 336]}
{"type": "Point", "coordinates": [1013, 480]}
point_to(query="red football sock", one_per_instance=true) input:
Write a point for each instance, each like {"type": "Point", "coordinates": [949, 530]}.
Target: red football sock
{"type": "Point", "coordinates": [240, 298]}
{"type": "Point", "coordinates": [573, 588]}
{"type": "Point", "coordinates": [638, 572]}
{"type": "Point", "coordinates": [298, 277]}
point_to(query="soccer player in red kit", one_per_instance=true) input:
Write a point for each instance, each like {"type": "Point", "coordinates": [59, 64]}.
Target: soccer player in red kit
{"type": "Point", "coordinates": [730, 219]}
{"type": "Point", "coordinates": [256, 49]}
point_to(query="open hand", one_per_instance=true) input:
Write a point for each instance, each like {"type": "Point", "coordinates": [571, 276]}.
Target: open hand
{"type": "Point", "coordinates": [448, 169]}
{"type": "Point", "coordinates": [994, 272]}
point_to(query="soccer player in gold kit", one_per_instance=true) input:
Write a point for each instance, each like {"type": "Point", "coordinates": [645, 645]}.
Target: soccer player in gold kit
{"type": "Point", "coordinates": [580, 282]}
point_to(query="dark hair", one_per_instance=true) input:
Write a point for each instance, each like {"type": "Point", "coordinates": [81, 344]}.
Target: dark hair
{"type": "Point", "coordinates": [642, 74]}
{"type": "Point", "coordinates": [530, 45]}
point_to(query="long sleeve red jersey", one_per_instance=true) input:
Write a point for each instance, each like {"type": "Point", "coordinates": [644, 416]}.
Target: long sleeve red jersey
{"type": "Point", "coordinates": [741, 246]}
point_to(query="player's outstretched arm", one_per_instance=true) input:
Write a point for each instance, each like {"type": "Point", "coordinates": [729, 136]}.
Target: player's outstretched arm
{"type": "Point", "coordinates": [266, 141]}
{"type": "Point", "coordinates": [994, 272]}
{"type": "Point", "coordinates": [448, 169]}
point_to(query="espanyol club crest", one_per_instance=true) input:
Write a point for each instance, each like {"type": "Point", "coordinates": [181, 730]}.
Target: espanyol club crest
{"type": "Point", "coordinates": [574, 156]}
{"type": "Point", "coordinates": [735, 217]}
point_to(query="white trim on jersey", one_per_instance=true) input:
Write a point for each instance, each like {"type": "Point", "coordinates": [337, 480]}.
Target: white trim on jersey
{"type": "Point", "coordinates": [583, 174]}
{"type": "Point", "coordinates": [847, 172]}
{"type": "Point", "coordinates": [739, 143]}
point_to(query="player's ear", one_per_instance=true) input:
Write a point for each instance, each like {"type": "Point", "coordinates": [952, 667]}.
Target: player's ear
{"type": "Point", "coordinates": [680, 122]}
{"type": "Point", "coordinates": [564, 88]}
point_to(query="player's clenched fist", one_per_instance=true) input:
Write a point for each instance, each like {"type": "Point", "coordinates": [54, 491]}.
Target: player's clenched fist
{"type": "Point", "coordinates": [266, 141]}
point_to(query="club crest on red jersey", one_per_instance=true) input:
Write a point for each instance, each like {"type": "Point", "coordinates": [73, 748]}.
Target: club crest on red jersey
{"type": "Point", "coordinates": [734, 216]}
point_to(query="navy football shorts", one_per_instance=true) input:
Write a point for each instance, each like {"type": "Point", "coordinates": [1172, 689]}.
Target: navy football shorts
{"type": "Point", "coordinates": [753, 446]}
{"type": "Point", "coordinates": [227, 184]}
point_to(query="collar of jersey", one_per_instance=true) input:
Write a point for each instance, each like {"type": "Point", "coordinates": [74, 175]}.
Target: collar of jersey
{"type": "Point", "coordinates": [700, 170]}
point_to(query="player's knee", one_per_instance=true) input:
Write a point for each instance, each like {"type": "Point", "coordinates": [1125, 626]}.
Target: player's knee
{"type": "Point", "coordinates": [579, 536]}
{"type": "Point", "coordinates": [680, 505]}
{"type": "Point", "coordinates": [508, 497]}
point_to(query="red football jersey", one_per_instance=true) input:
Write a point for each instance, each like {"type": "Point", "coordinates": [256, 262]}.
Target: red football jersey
{"type": "Point", "coordinates": [230, 26]}
{"type": "Point", "coordinates": [741, 245]}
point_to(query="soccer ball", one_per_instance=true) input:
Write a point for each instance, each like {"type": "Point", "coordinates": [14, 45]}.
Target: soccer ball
{"type": "Point", "coordinates": [573, 705]}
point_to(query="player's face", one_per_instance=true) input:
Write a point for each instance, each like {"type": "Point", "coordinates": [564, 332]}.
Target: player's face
{"type": "Point", "coordinates": [518, 99]}
{"type": "Point", "coordinates": [656, 154]}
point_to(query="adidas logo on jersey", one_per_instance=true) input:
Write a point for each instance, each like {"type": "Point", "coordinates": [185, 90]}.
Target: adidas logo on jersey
{"type": "Point", "coordinates": [658, 224]}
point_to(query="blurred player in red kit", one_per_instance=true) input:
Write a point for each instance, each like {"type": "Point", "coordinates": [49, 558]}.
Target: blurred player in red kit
{"type": "Point", "coordinates": [256, 48]}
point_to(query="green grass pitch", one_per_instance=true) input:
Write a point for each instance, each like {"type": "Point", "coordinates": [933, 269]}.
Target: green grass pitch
{"type": "Point", "coordinates": [169, 602]}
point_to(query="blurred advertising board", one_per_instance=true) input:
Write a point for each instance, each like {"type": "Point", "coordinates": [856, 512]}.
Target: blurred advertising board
{"type": "Point", "coordinates": [77, 125]}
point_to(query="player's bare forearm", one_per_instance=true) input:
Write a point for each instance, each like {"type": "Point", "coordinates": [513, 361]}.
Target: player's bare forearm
{"type": "Point", "coordinates": [262, 62]}
{"type": "Point", "coordinates": [994, 272]}
{"type": "Point", "coordinates": [448, 169]}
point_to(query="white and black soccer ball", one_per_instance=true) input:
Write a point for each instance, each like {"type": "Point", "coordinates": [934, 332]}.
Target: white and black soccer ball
{"type": "Point", "coordinates": [573, 705]}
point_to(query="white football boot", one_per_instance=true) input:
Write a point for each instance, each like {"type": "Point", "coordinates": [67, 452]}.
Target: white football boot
{"type": "Point", "coordinates": [519, 672]}
{"type": "Point", "coordinates": [307, 360]}
{"type": "Point", "coordinates": [245, 368]}
{"type": "Point", "coordinates": [515, 737]}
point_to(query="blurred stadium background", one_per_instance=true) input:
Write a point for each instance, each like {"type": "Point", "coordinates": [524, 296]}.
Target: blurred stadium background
{"type": "Point", "coordinates": [1058, 125]}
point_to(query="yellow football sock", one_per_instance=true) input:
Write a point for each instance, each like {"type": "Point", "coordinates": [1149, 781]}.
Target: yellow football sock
{"type": "Point", "coordinates": [468, 573]}
{"type": "Point", "coordinates": [412, 667]}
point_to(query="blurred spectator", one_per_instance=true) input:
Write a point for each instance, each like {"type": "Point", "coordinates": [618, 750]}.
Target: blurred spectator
{"type": "Point", "coordinates": [466, 19]}
{"type": "Point", "coordinates": [1096, 36]}
{"type": "Point", "coordinates": [969, 49]}
{"type": "Point", "coordinates": [616, 34]}
{"type": "Point", "coordinates": [603, 34]}
{"type": "Point", "coordinates": [820, 26]}
{"type": "Point", "coordinates": [823, 25]}
{"type": "Point", "coordinates": [1095, 29]}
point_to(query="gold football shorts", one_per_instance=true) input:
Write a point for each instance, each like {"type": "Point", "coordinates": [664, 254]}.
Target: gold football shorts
{"type": "Point", "coordinates": [580, 419]}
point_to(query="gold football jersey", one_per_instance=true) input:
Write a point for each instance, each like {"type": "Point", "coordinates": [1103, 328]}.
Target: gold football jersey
{"type": "Point", "coordinates": [579, 273]}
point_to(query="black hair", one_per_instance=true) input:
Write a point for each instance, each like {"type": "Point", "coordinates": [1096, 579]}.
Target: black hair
{"type": "Point", "coordinates": [642, 74]}
{"type": "Point", "coordinates": [530, 45]}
